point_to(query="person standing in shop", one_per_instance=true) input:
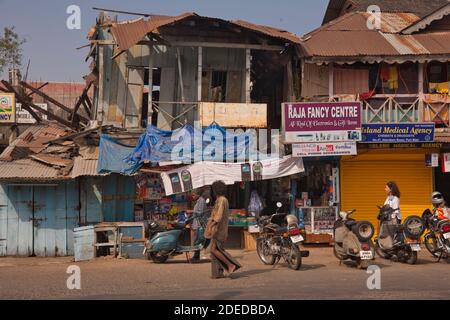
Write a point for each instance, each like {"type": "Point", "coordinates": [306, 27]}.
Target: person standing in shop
{"type": "Point", "coordinates": [200, 213]}
{"type": "Point", "coordinates": [393, 200]}
{"type": "Point", "coordinates": [217, 231]}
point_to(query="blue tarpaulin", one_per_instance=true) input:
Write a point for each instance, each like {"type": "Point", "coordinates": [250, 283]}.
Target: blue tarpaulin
{"type": "Point", "coordinates": [112, 156]}
{"type": "Point", "coordinates": [189, 144]}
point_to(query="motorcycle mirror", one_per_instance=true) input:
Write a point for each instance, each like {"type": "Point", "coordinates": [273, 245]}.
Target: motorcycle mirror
{"type": "Point", "coordinates": [279, 204]}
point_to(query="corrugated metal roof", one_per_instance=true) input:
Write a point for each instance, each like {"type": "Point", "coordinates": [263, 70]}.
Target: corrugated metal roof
{"type": "Point", "coordinates": [33, 140]}
{"type": "Point", "coordinates": [27, 169]}
{"type": "Point", "coordinates": [407, 45]}
{"type": "Point", "coordinates": [129, 33]}
{"type": "Point", "coordinates": [84, 167]}
{"type": "Point", "coordinates": [419, 7]}
{"type": "Point", "coordinates": [349, 36]}
{"type": "Point", "coordinates": [268, 31]}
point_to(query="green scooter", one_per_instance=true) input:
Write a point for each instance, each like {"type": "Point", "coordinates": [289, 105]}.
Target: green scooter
{"type": "Point", "coordinates": [164, 243]}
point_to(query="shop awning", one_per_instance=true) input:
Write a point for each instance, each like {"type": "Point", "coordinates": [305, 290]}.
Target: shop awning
{"type": "Point", "coordinates": [202, 174]}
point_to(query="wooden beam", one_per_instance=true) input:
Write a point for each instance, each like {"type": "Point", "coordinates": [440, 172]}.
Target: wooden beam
{"type": "Point", "coordinates": [24, 103]}
{"type": "Point", "coordinates": [49, 114]}
{"type": "Point", "coordinates": [199, 73]}
{"type": "Point", "coordinates": [39, 88]}
{"type": "Point", "coordinates": [248, 67]}
{"type": "Point", "coordinates": [226, 45]}
{"type": "Point", "coordinates": [331, 81]}
{"type": "Point", "coordinates": [150, 86]}
{"type": "Point", "coordinates": [101, 79]}
{"type": "Point", "coordinates": [51, 100]}
{"type": "Point", "coordinates": [180, 75]}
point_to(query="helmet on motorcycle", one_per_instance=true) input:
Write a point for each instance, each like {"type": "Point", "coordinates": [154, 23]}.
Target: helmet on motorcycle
{"type": "Point", "coordinates": [437, 198]}
{"type": "Point", "coordinates": [291, 219]}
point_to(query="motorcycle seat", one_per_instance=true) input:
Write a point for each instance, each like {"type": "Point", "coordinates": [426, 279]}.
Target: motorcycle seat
{"type": "Point", "coordinates": [350, 223]}
{"type": "Point", "coordinates": [178, 226]}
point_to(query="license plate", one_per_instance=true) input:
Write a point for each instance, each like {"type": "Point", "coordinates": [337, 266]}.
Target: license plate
{"type": "Point", "coordinates": [447, 235]}
{"type": "Point", "coordinates": [297, 239]}
{"type": "Point", "coordinates": [415, 247]}
{"type": "Point", "coordinates": [366, 255]}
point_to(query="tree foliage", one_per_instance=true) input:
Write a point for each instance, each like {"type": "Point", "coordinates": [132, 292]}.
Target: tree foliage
{"type": "Point", "coordinates": [10, 49]}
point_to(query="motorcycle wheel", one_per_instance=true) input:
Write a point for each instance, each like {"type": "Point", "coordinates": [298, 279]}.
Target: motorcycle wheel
{"type": "Point", "coordinates": [381, 252]}
{"type": "Point", "coordinates": [338, 255]}
{"type": "Point", "coordinates": [262, 249]}
{"type": "Point", "coordinates": [157, 257]}
{"type": "Point", "coordinates": [431, 244]}
{"type": "Point", "coordinates": [412, 257]}
{"type": "Point", "coordinates": [294, 258]}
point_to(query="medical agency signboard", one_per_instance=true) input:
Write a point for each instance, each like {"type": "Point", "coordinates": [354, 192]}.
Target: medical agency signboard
{"type": "Point", "coordinates": [398, 132]}
{"type": "Point", "coordinates": [322, 122]}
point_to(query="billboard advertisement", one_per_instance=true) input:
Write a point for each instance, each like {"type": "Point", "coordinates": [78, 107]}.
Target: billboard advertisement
{"type": "Point", "coordinates": [322, 122]}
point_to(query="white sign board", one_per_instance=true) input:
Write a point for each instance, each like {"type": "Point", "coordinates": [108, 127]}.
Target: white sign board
{"type": "Point", "coordinates": [24, 116]}
{"type": "Point", "coordinates": [324, 149]}
{"type": "Point", "coordinates": [446, 162]}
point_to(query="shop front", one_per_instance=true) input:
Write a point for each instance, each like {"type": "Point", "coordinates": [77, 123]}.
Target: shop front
{"type": "Point", "coordinates": [320, 133]}
{"type": "Point", "coordinates": [364, 177]}
{"type": "Point", "coordinates": [316, 197]}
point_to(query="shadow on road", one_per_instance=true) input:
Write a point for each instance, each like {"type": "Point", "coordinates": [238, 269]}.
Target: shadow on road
{"type": "Point", "coordinates": [227, 295]}
{"type": "Point", "coordinates": [352, 264]}
{"type": "Point", "coordinates": [246, 274]}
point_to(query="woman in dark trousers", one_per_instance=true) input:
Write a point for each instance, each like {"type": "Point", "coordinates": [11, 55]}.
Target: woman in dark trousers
{"type": "Point", "coordinates": [217, 230]}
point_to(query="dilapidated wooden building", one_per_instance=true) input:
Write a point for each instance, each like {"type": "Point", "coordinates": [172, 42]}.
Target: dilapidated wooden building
{"type": "Point", "coordinates": [172, 70]}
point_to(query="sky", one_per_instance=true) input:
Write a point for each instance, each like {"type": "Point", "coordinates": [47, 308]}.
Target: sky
{"type": "Point", "coordinates": [51, 47]}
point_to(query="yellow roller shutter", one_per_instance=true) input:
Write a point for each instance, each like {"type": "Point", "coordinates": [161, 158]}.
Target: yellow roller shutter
{"type": "Point", "coordinates": [364, 178]}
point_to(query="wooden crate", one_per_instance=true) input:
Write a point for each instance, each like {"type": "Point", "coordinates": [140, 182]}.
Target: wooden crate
{"type": "Point", "coordinates": [319, 238]}
{"type": "Point", "coordinates": [250, 240]}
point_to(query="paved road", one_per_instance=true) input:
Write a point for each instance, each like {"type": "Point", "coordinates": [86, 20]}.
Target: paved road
{"type": "Point", "coordinates": [321, 277]}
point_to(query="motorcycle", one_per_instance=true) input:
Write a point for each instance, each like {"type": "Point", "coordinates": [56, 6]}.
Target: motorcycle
{"type": "Point", "coordinates": [437, 240]}
{"type": "Point", "coordinates": [399, 240]}
{"type": "Point", "coordinates": [280, 237]}
{"type": "Point", "coordinates": [353, 240]}
{"type": "Point", "coordinates": [164, 243]}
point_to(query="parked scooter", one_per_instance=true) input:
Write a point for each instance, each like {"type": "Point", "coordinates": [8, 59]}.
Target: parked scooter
{"type": "Point", "coordinates": [280, 238]}
{"type": "Point", "coordinates": [398, 240]}
{"type": "Point", "coordinates": [353, 240]}
{"type": "Point", "coordinates": [437, 240]}
{"type": "Point", "coordinates": [164, 243]}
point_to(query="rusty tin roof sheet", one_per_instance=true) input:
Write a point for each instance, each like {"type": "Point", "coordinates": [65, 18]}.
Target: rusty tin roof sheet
{"type": "Point", "coordinates": [129, 33]}
{"type": "Point", "coordinates": [33, 140]}
{"type": "Point", "coordinates": [28, 169]}
{"type": "Point", "coordinates": [349, 36]}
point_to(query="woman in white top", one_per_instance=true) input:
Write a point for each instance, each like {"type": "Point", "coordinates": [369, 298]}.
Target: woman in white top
{"type": "Point", "coordinates": [393, 200]}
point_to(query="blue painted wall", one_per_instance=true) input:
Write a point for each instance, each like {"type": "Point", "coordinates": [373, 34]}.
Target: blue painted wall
{"type": "Point", "coordinates": [58, 209]}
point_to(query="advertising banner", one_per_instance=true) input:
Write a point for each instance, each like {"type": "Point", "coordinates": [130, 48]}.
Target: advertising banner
{"type": "Point", "coordinates": [398, 132]}
{"type": "Point", "coordinates": [201, 174]}
{"type": "Point", "coordinates": [7, 108]}
{"type": "Point", "coordinates": [322, 122]}
{"type": "Point", "coordinates": [324, 149]}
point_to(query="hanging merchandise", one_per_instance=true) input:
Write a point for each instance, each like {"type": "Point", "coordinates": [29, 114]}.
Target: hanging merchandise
{"type": "Point", "coordinates": [206, 173]}
{"type": "Point", "coordinates": [393, 78]}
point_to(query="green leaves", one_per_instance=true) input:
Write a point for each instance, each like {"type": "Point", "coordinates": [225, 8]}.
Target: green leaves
{"type": "Point", "coordinates": [10, 49]}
